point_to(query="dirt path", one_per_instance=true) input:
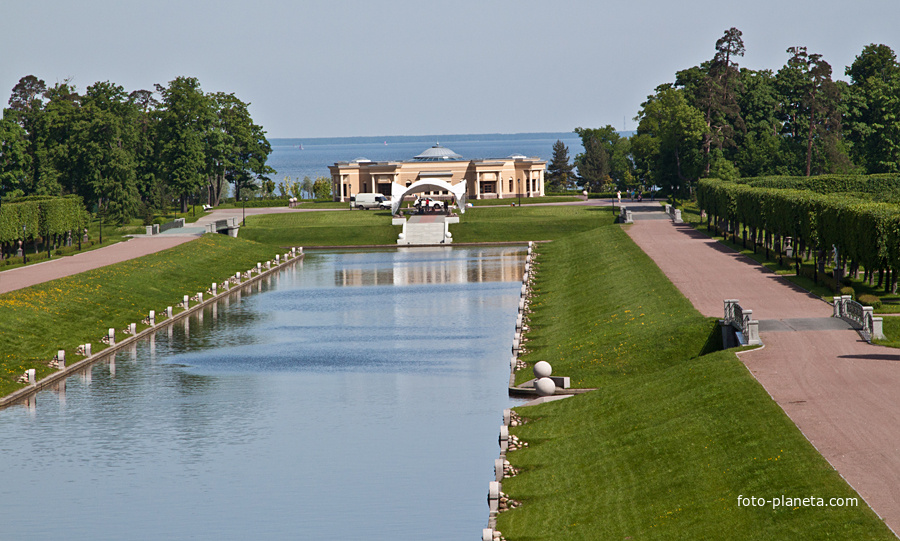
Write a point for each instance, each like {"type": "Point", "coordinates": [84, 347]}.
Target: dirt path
{"type": "Point", "coordinates": [842, 393]}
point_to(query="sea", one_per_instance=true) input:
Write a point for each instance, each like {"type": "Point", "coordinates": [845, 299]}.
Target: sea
{"type": "Point", "coordinates": [297, 158]}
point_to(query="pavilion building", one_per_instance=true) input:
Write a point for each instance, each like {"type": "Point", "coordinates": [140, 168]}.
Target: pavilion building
{"type": "Point", "coordinates": [513, 176]}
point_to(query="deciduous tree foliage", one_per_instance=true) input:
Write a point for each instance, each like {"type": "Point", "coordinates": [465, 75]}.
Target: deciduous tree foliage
{"type": "Point", "coordinates": [128, 153]}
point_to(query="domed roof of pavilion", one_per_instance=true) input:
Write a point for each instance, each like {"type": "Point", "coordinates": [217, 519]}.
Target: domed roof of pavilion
{"type": "Point", "coordinates": [437, 153]}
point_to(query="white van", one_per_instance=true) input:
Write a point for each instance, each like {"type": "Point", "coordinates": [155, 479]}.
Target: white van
{"type": "Point", "coordinates": [368, 201]}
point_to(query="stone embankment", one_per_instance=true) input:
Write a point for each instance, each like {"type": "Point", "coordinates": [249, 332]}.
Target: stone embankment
{"type": "Point", "coordinates": [131, 333]}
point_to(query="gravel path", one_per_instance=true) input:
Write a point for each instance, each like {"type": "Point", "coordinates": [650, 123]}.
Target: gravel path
{"type": "Point", "coordinates": [842, 393]}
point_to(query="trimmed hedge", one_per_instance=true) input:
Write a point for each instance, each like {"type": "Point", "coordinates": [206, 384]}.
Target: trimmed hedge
{"type": "Point", "coordinates": [41, 216]}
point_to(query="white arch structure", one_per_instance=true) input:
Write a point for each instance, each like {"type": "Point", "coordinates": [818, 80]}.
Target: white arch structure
{"type": "Point", "coordinates": [398, 192]}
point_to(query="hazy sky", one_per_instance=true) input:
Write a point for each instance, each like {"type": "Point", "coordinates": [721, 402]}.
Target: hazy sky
{"type": "Point", "coordinates": [355, 67]}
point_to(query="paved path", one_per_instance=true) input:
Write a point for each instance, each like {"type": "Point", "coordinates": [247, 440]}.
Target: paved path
{"type": "Point", "coordinates": [842, 393]}
{"type": "Point", "coordinates": [141, 245]}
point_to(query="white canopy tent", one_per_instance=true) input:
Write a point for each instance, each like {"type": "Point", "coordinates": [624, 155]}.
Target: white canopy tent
{"type": "Point", "coordinates": [398, 192]}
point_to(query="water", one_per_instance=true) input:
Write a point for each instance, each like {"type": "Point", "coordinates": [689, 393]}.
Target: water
{"type": "Point", "coordinates": [354, 396]}
{"type": "Point", "coordinates": [317, 154]}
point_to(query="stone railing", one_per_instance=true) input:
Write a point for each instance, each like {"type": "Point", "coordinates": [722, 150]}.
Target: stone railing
{"type": "Point", "coordinates": [674, 213]}
{"type": "Point", "coordinates": [861, 317]}
{"type": "Point", "coordinates": [741, 319]}
{"type": "Point", "coordinates": [625, 216]}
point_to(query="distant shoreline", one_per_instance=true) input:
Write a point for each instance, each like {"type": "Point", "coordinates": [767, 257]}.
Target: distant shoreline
{"type": "Point", "coordinates": [366, 139]}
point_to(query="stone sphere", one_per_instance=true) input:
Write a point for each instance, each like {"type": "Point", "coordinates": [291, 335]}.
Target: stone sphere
{"type": "Point", "coordinates": [545, 386]}
{"type": "Point", "coordinates": [542, 369]}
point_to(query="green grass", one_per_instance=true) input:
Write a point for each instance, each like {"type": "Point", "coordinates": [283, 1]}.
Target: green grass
{"type": "Point", "coordinates": [37, 321]}
{"type": "Point", "coordinates": [525, 200]}
{"type": "Point", "coordinates": [890, 326]}
{"type": "Point", "coordinates": [674, 433]}
{"type": "Point", "coordinates": [490, 224]}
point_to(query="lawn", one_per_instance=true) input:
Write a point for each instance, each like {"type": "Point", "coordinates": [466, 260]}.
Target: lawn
{"type": "Point", "coordinates": [489, 224]}
{"type": "Point", "coordinates": [525, 200]}
{"type": "Point", "coordinates": [676, 430]}
{"type": "Point", "coordinates": [37, 321]}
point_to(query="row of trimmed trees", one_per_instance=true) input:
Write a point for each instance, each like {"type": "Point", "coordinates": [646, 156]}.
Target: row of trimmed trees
{"type": "Point", "coordinates": [766, 211]}
{"type": "Point", "coordinates": [128, 154]}
{"type": "Point", "coordinates": [718, 119]}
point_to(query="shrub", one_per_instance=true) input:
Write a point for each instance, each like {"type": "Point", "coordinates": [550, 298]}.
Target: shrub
{"type": "Point", "coordinates": [848, 291]}
{"type": "Point", "coordinates": [870, 300]}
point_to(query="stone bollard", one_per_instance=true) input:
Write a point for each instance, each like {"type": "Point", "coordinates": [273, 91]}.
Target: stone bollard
{"type": "Point", "coordinates": [152, 317]}
{"type": "Point", "coordinates": [524, 290]}
{"type": "Point", "coordinates": [521, 304]}
{"type": "Point", "coordinates": [286, 258]}
{"type": "Point", "coordinates": [31, 377]}
{"type": "Point", "coordinates": [498, 469]}
{"type": "Point", "coordinates": [545, 386]}
{"type": "Point", "coordinates": [215, 289]}
{"type": "Point", "coordinates": [542, 369]}
{"type": "Point", "coordinates": [513, 362]}
{"type": "Point", "coordinates": [300, 250]}
{"type": "Point", "coordinates": [494, 496]}
{"type": "Point", "coordinates": [186, 302]}
{"type": "Point", "coordinates": [132, 329]}
{"type": "Point", "coordinates": [507, 415]}
{"type": "Point", "coordinates": [268, 265]}
{"type": "Point", "coordinates": [519, 319]}
{"type": "Point", "coordinates": [112, 336]}
{"type": "Point", "coordinates": [527, 267]}
{"type": "Point", "coordinates": [877, 328]}
{"type": "Point", "coordinates": [487, 534]}
{"type": "Point", "coordinates": [237, 277]}
{"type": "Point", "coordinates": [87, 349]}
{"type": "Point", "coordinates": [525, 277]}
{"type": "Point", "coordinates": [259, 268]}
{"type": "Point", "coordinates": [61, 359]}
{"type": "Point", "coordinates": [515, 344]}
{"type": "Point", "coordinates": [200, 297]}
{"type": "Point", "coordinates": [169, 312]}
{"type": "Point", "coordinates": [504, 438]}
{"type": "Point", "coordinates": [277, 259]}
{"type": "Point", "coordinates": [678, 219]}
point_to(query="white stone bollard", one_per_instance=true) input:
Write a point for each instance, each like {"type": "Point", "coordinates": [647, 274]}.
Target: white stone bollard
{"type": "Point", "coordinates": [132, 328]}
{"type": "Point", "coordinates": [169, 312]}
{"type": "Point", "coordinates": [542, 369]}
{"type": "Point", "coordinates": [525, 277]}
{"type": "Point", "coordinates": [524, 290]}
{"type": "Point", "coordinates": [87, 349]}
{"type": "Point", "coordinates": [258, 268]}
{"type": "Point", "coordinates": [521, 304]}
{"type": "Point", "coordinates": [527, 267]}
{"type": "Point", "coordinates": [186, 302]}
{"type": "Point", "coordinates": [504, 437]}
{"type": "Point", "coordinates": [545, 386]}
{"type": "Point", "coordinates": [878, 328]}
{"type": "Point", "coordinates": [200, 297]}
{"type": "Point", "coordinates": [507, 415]}
{"type": "Point", "coordinates": [152, 317]}
{"type": "Point", "coordinates": [214, 288]}
{"type": "Point", "coordinates": [237, 276]}
{"type": "Point", "coordinates": [519, 319]}
{"type": "Point", "coordinates": [512, 364]}
{"type": "Point", "coordinates": [268, 265]}
{"type": "Point", "coordinates": [515, 344]}
{"type": "Point", "coordinates": [61, 359]}
{"type": "Point", "coordinates": [31, 378]}
{"type": "Point", "coordinates": [487, 534]}
{"type": "Point", "coordinates": [112, 336]}
{"type": "Point", "coordinates": [498, 469]}
{"type": "Point", "coordinates": [277, 259]}
{"type": "Point", "coordinates": [494, 496]}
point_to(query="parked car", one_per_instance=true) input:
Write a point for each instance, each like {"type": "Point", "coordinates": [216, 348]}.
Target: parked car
{"type": "Point", "coordinates": [366, 201]}
{"type": "Point", "coordinates": [427, 204]}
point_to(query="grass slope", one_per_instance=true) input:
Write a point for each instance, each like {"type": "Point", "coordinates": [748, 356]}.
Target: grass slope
{"type": "Point", "coordinates": [488, 224]}
{"type": "Point", "coordinates": [676, 430]}
{"type": "Point", "coordinates": [61, 314]}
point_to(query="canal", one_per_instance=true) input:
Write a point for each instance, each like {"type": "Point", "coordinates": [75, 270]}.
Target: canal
{"type": "Point", "coordinates": [355, 395]}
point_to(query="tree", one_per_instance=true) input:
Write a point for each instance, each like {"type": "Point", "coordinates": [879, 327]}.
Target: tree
{"type": "Point", "coordinates": [874, 118]}
{"type": "Point", "coordinates": [27, 103]}
{"type": "Point", "coordinates": [678, 129]}
{"type": "Point", "coordinates": [14, 158]}
{"type": "Point", "coordinates": [322, 188]}
{"type": "Point", "coordinates": [559, 170]}
{"type": "Point", "coordinates": [593, 165]}
{"type": "Point", "coordinates": [184, 125]}
{"type": "Point", "coordinates": [307, 186]}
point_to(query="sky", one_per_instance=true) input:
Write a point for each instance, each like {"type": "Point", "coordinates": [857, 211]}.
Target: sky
{"type": "Point", "coordinates": [336, 68]}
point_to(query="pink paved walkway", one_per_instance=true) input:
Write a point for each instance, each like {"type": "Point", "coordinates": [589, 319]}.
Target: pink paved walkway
{"type": "Point", "coordinates": [30, 275]}
{"type": "Point", "coordinates": [842, 393]}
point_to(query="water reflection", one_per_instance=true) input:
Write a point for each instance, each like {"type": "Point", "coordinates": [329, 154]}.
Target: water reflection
{"type": "Point", "coordinates": [277, 413]}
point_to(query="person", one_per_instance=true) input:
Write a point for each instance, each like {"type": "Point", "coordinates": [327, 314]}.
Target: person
{"type": "Point", "coordinates": [640, 197]}
{"type": "Point", "coordinates": [619, 196]}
